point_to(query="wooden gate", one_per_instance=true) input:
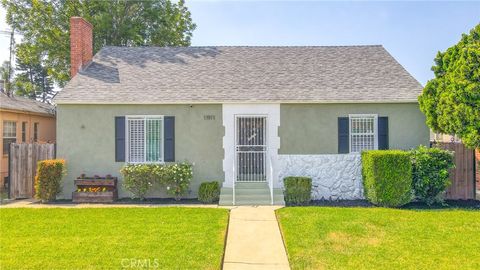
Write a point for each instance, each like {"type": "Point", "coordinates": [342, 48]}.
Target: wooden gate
{"type": "Point", "coordinates": [463, 176]}
{"type": "Point", "coordinates": [23, 160]}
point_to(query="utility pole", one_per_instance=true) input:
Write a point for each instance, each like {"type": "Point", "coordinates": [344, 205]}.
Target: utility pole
{"type": "Point", "coordinates": [10, 60]}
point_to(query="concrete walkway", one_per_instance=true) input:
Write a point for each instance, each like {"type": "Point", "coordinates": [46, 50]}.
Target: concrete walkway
{"type": "Point", "coordinates": [254, 240]}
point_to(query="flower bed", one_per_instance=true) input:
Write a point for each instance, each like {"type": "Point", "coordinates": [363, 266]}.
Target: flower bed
{"type": "Point", "coordinates": [95, 189]}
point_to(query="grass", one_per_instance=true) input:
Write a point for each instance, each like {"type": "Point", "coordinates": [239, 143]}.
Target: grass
{"type": "Point", "coordinates": [380, 238]}
{"type": "Point", "coordinates": [3, 196]}
{"type": "Point", "coordinates": [112, 238]}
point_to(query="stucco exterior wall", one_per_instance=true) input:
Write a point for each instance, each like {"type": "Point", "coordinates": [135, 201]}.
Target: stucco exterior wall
{"type": "Point", "coordinates": [86, 139]}
{"type": "Point", "coordinates": [313, 128]}
{"type": "Point", "coordinates": [46, 132]}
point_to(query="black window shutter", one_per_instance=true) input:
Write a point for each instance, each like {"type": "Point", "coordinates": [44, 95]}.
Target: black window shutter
{"type": "Point", "coordinates": [169, 141]}
{"type": "Point", "coordinates": [119, 138]}
{"type": "Point", "coordinates": [343, 135]}
{"type": "Point", "coordinates": [382, 133]}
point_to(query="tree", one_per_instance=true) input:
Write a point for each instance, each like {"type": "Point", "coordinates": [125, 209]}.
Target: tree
{"type": "Point", "coordinates": [32, 79]}
{"type": "Point", "coordinates": [451, 101]}
{"type": "Point", "coordinates": [44, 25]}
{"type": "Point", "coordinates": [4, 72]}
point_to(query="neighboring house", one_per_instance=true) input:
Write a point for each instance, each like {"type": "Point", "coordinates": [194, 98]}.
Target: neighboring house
{"type": "Point", "coordinates": [244, 116]}
{"type": "Point", "coordinates": [23, 120]}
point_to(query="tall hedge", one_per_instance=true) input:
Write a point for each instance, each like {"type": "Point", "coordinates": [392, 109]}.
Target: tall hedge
{"type": "Point", "coordinates": [48, 179]}
{"type": "Point", "coordinates": [387, 177]}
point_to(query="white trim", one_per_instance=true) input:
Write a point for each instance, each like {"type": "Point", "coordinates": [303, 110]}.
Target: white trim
{"type": "Point", "coordinates": [229, 112]}
{"type": "Point", "coordinates": [127, 139]}
{"type": "Point", "coordinates": [375, 130]}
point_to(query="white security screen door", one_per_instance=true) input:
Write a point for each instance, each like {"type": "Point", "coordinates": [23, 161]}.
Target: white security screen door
{"type": "Point", "coordinates": [251, 148]}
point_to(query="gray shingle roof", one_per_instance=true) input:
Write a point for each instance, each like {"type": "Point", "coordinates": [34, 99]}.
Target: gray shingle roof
{"type": "Point", "coordinates": [242, 74]}
{"type": "Point", "coordinates": [25, 105]}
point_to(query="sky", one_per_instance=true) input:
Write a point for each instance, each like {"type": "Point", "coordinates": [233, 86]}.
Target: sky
{"type": "Point", "coordinates": [412, 31]}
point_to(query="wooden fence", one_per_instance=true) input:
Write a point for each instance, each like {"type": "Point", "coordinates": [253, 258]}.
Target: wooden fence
{"type": "Point", "coordinates": [463, 176]}
{"type": "Point", "coordinates": [23, 160]}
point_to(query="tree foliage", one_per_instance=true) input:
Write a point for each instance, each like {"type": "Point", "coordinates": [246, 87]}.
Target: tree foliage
{"type": "Point", "coordinates": [4, 73]}
{"type": "Point", "coordinates": [451, 101]}
{"type": "Point", "coordinates": [44, 25]}
{"type": "Point", "coordinates": [32, 78]}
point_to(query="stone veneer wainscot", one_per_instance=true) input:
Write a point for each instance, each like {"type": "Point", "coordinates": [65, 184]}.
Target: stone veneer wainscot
{"type": "Point", "coordinates": [334, 177]}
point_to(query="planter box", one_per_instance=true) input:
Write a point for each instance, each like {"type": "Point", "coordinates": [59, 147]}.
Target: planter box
{"type": "Point", "coordinates": [108, 196]}
{"type": "Point", "coordinates": [94, 197]}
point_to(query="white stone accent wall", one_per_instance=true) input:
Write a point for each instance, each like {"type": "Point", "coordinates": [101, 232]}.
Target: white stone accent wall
{"type": "Point", "coordinates": [334, 177]}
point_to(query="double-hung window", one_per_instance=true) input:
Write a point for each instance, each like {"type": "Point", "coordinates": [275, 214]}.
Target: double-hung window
{"type": "Point", "coordinates": [24, 131]}
{"type": "Point", "coordinates": [144, 143]}
{"type": "Point", "coordinates": [35, 131]}
{"type": "Point", "coordinates": [363, 132]}
{"type": "Point", "coordinates": [9, 134]}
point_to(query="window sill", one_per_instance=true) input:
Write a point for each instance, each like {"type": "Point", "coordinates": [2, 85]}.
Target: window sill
{"type": "Point", "coordinates": [156, 162]}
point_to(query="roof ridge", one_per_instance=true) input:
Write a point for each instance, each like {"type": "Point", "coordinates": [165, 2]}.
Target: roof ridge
{"type": "Point", "coordinates": [248, 46]}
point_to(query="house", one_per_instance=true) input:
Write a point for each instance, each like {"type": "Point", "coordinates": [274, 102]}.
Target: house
{"type": "Point", "coordinates": [23, 120]}
{"type": "Point", "coordinates": [245, 116]}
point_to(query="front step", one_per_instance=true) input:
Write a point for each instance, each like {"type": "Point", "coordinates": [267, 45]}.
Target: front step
{"type": "Point", "coordinates": [251, 194]}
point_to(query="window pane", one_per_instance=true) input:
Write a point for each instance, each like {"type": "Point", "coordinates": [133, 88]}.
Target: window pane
{"type": "Point", "coordinates": [24, 131]}
{"type": "Point", "coordinates": [9, 129]}
{"type": "Point", "coordinates": [6, 144]}
{"type": "Point", "coordinates": [154, 139]}
{"type": "Point", "coordinates": [35, 132]}
{"type": "Point", "coordinates": [136, 137]}
{"type": "Point", "coordinates": [362, 135]}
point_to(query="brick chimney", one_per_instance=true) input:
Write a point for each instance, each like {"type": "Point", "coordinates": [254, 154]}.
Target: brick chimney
{"type": "Point", "coordinates": [81, 44]}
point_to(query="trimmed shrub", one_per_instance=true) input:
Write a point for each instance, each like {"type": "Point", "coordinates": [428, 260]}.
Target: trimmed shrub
{"type": "Point", "coordinates": [48, 179]}
{"type": "Point", "coordinates": [430, 173]}
{"type": "Point", "coordinates": [177, 179]}
{"type": "Point", "coordinates": [209, 192]}
{"type": "Point", "coordinates": [387, 177]}
{"type": "Point", "coordinates": [298, 190]}
{"type": "Point", "coordinates": [139, 178]}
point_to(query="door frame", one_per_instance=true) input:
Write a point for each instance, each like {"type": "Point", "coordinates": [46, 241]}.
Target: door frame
{"type": "Point", "coordinates": [266, 151]}
{"type": "Point", "coordinates": [229, 112]}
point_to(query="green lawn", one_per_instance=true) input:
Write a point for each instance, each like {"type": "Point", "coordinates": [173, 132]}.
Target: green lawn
{"type": "Point", "coordinates": [112, 238]}
{"type": "Point", "coordinates": [379, 238]}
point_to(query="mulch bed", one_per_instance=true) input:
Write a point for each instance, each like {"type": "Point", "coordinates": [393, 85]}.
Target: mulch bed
{"type": "Point", "coordinates": [448, 204]}
{"type": "Point", "coordinates": [138, 201]}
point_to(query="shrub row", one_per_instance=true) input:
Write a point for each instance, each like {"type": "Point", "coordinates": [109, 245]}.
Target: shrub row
{"type": "Point", "coordinates": [139, 178]}
{"type": "Point", "coordinates": [393, 178]}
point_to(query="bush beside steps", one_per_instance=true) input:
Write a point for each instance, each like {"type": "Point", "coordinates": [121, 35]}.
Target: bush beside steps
{"type": "Point", "coordinates": [209, 192]}
{"type": "Point", "coordinates": [298, 190]}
